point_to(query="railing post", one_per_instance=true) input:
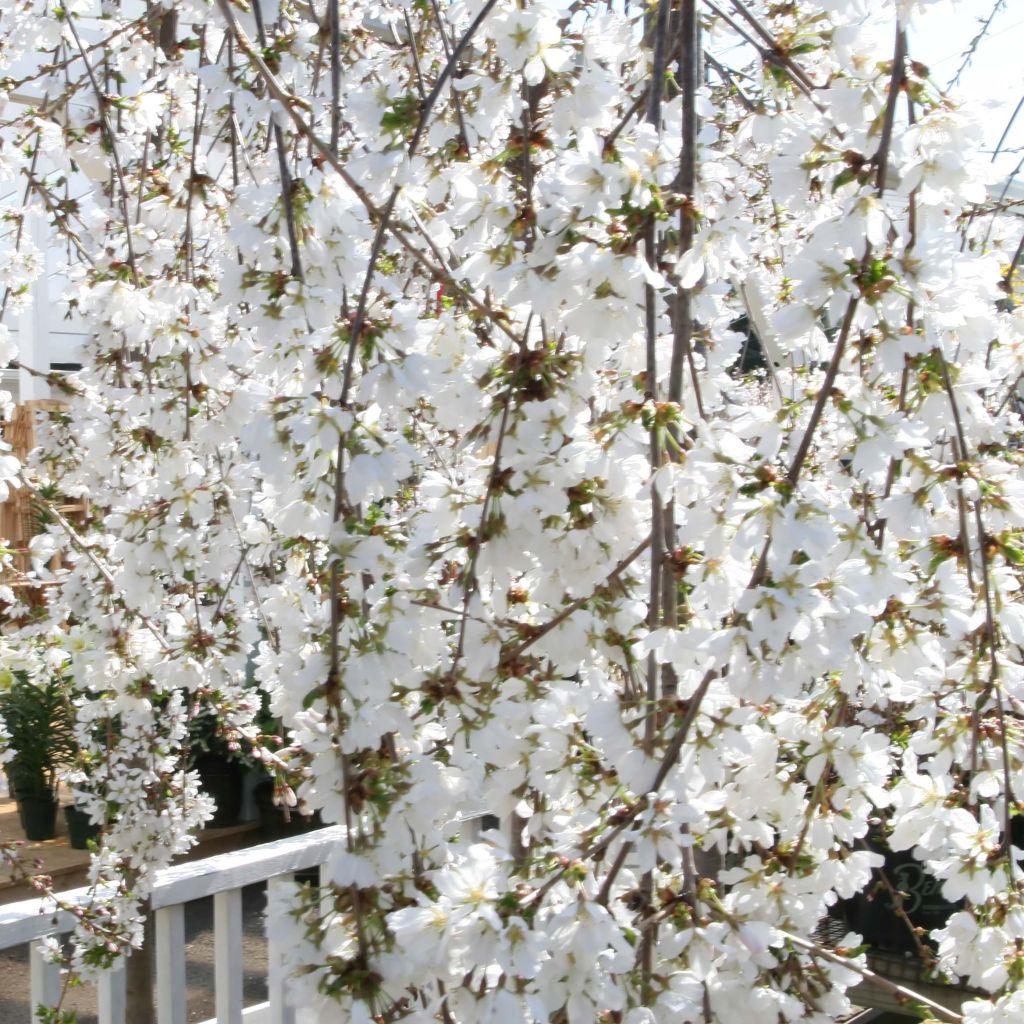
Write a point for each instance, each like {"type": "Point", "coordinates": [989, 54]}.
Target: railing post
{"type": "Point", "coordinates": [281, 1012]}
{"type": "Point", "coordinates": [170, 965]}
{"type": "Point", "coordinates": [227, 954]}
{"type": "Point", "coordinates": [110, 994]}
{"type": "Point", "coordinates": [44, 978]}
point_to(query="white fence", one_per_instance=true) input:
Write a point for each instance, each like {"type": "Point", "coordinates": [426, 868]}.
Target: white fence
{"type": "Point", "coordinates": [223, 877]}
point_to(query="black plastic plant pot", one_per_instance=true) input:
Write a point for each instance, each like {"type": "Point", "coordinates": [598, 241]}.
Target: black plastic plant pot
{"type": "Point", "coordinates": [38, 816]}
{"type": "Point", "coordinates": [81, 827]}
{"type": "Point", "coordinates": [21, 812]}
{"type": "Point", "coordinates": [222, 780]}
{"type": "Point", "coordinates": [17, 788]}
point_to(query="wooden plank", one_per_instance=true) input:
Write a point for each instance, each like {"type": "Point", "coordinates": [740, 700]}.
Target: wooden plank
{"type": "Point", "coordinates": [227, 955]}
{"type": "Point", "coordinates": [170, 965]}
{"type": "Point", "coordinates": [45, 982]}
{"type": "Point", "coordinates": [281, 1012]}
{"type": "Point", "coordinates": [110, 995]}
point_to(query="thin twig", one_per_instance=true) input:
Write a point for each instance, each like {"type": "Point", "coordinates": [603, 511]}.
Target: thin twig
{"type": "Point", "coordinates": [728, 79]}
{"type": "Point", "coordinates": [446, 45]}
{"type": "Point", "coordinates": [334, 16]}
{"type": "Point", "coordinates": [1011, 269]}
{"type": "Point", "coordinates": [972, 47]}
{"type": "Point", "coordinates": [776, 52]}
{"type": "Point", "coordinates": [542, 631]}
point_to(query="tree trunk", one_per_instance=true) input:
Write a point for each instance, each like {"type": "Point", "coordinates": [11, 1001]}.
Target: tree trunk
{"type": "Point", "coordinates": [139, 976]}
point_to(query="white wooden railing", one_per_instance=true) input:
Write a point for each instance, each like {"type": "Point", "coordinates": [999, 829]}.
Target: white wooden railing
{"type": "Point", "coordinates": [223, 877]}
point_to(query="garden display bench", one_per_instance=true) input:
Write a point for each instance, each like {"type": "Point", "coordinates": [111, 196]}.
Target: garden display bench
{"type": "Point", "coordinates": [67, 867]}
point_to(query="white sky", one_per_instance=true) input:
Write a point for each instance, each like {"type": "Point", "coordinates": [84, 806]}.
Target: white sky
{"type": "Point", "coordinates": [995, 77]}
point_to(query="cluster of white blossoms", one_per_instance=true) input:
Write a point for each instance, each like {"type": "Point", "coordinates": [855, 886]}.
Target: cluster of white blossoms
{"type": "Point", "coordinates": [596, 416]}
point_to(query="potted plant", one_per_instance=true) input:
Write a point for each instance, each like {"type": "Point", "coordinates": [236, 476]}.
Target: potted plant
{"type": "Point", "coordinates": [39, 741]}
